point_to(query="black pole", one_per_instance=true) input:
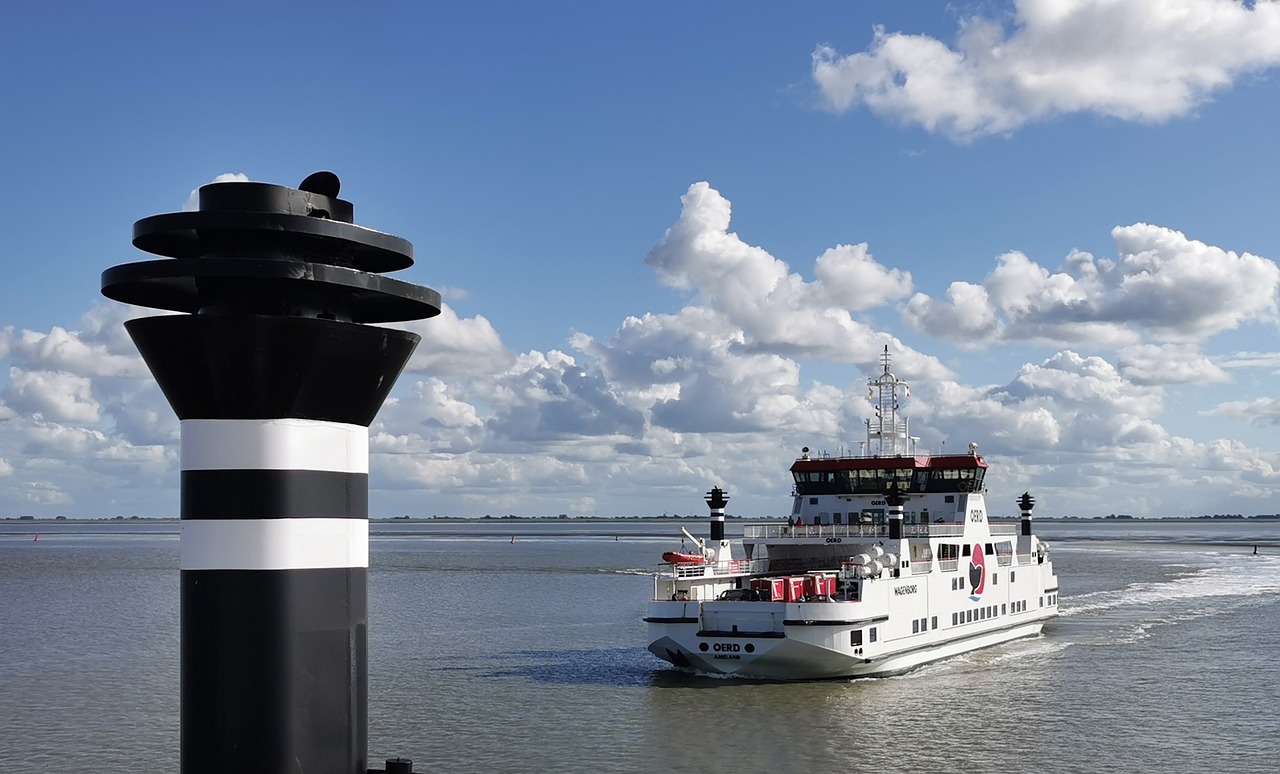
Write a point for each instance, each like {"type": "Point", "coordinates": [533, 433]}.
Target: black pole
{"type": "Point", "coordinates": [275, 380]}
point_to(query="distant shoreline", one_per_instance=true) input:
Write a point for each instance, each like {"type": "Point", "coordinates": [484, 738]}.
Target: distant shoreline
{"type": "Point", "coordinates": [633, 519]}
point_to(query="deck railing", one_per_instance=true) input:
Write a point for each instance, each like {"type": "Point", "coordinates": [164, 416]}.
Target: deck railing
{"type": "Point", "coordinates": [776, 531]}
{"type": "Point", "coordinates": [717, 569]}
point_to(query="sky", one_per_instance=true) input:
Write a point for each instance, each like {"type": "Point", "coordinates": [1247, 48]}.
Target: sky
{"type": "Point", "coordinates": [672, 239]}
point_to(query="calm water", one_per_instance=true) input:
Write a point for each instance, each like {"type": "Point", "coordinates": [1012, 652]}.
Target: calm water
{"type": "Point", "coordinates": [493, 656]}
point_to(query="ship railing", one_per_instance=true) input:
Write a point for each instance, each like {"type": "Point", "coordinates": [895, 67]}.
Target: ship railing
{"type": "Point", "coordinates": [921, 566]}
{"type": "Point", "coordinates": [716, 569]}
{"type": "Point", "coordinates": [1004, 560]}
{"type": "Point", "coordinates": [775, 531]}
{"type": "Point", "coordinates": [948, 565]}
{"type": "Point", "coordinates": [1024, 558]}
{"type": "Point", "coordinates": [1003, 527]}
{"type": "Point", "coordinates": [778, 531]}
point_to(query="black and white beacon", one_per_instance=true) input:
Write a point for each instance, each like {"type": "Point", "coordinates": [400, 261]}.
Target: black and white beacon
{"type": "Point", "coordinates": [275, 374]}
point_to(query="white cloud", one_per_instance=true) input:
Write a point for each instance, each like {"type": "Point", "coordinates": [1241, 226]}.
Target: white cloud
{"type": "Point", "coordinates": [1152, 364]}
{"type": "Point", "coordinates": [63, 350]}
{"type": "Point", "coordinates": [453, 346]}
{"type": "Point", "coordinates": [1162, 286]}
{"type": "Point", "coordinates": [1134, 61]}
{"type": "Point", "coordinates": [45, 493]}
{"type": "Point", "coordinates": [1261, 412]}
{"type": "Point", "coordinates": [771, 307]}
{"type": "Point", "coordinates": [1252, 360]}
{"type": "Point", "coordinates": [57, 396]}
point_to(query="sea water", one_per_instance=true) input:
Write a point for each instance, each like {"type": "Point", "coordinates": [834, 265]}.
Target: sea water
{"type": "Point", "coordinates": [515, 646]}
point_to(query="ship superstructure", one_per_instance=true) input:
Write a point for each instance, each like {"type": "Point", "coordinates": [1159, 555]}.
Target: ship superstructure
{"type": "Point", "coordinates": [887, 561]}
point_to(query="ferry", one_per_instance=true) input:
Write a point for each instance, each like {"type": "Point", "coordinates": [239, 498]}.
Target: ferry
{"type": "Point", "coordinates": [887, 562]}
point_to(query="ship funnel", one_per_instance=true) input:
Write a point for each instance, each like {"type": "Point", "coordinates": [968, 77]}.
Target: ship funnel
{"type": "Point", "coordinates": [1026, 503]}
{"type": "Point", "coordinates": [716, 501]}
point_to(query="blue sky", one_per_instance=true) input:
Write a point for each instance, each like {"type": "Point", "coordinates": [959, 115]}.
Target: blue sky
{"type": "Point", "coordinates": [671, 238]}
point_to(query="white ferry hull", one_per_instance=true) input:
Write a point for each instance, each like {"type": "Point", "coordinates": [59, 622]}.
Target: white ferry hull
{"type": "Point", "coordinates": [817, 657]}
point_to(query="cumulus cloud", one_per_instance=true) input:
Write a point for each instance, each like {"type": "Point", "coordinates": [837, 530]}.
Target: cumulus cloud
{"type": "Point", "coordinates": [1068, 402]}
{"type": "Point", "coordinates": [57, 396]}
{"type": "Point", "coordinates": [774, 308]}
{"type": "Point", "coordinates": [1152, 364]}
{"type": "Point", "coordinates": [1162, 285]}
{"type": "Point", "coordinates": [1148, 62]}
{"type": "Point", "coordinates": [458, 347]}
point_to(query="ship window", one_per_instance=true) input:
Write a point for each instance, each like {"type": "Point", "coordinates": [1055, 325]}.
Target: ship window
{"type": "Point", "coordinates": [995, 579]}
{"type": "Point", "coordinates": [855, 637]}
{"type": "Point", "coordinates": [935, 622]}
{"type": "Point", "coordinates": [872, 634]}
{"type": "Point", "coordinates": [915, 626]}
{"type": "Point", "coordinates": [990, 549]}
{"type": "Point", "coordinates": [1041, 601]}
{"type": "Point", "coordinates": [1001, 608]}
{"type": "Point", "coordinates": [1013, 575]}
{"type": "Point", "coordinates": [953, 619]}
{"type": "Point", "coordinates": [949, 498]}
{"type": "Point", "coordinates": [813, 501]}
{"type": "Point", "coordinates": [966, 549]}
{"type": "Point", "coordinates": [837, 518]}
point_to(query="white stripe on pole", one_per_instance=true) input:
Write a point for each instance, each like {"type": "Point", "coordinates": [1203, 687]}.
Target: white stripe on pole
{"type": "Point", "coordinates": [273, 544]}
{"type": "Point", "coordinates": [274, 444]}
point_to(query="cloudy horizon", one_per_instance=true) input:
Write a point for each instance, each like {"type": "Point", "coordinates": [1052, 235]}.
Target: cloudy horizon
{"type": "Point", "coordinates": [1054, 214]}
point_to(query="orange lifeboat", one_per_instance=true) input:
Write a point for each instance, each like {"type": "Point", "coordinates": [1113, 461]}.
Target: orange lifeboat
{"type": "Point", "coordinates": [675, 557]}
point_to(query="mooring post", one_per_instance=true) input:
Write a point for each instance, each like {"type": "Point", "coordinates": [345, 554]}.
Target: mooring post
{"type": "Point", "coordinates": [275, 378]}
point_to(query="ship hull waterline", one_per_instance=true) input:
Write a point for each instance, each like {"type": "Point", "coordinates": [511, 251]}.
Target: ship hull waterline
{"type": "Point", "coordinates": [791, 659]}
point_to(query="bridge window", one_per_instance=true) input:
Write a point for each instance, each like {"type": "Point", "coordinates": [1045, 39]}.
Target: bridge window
{"type": "Point", "coordinates": [855, 638]}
